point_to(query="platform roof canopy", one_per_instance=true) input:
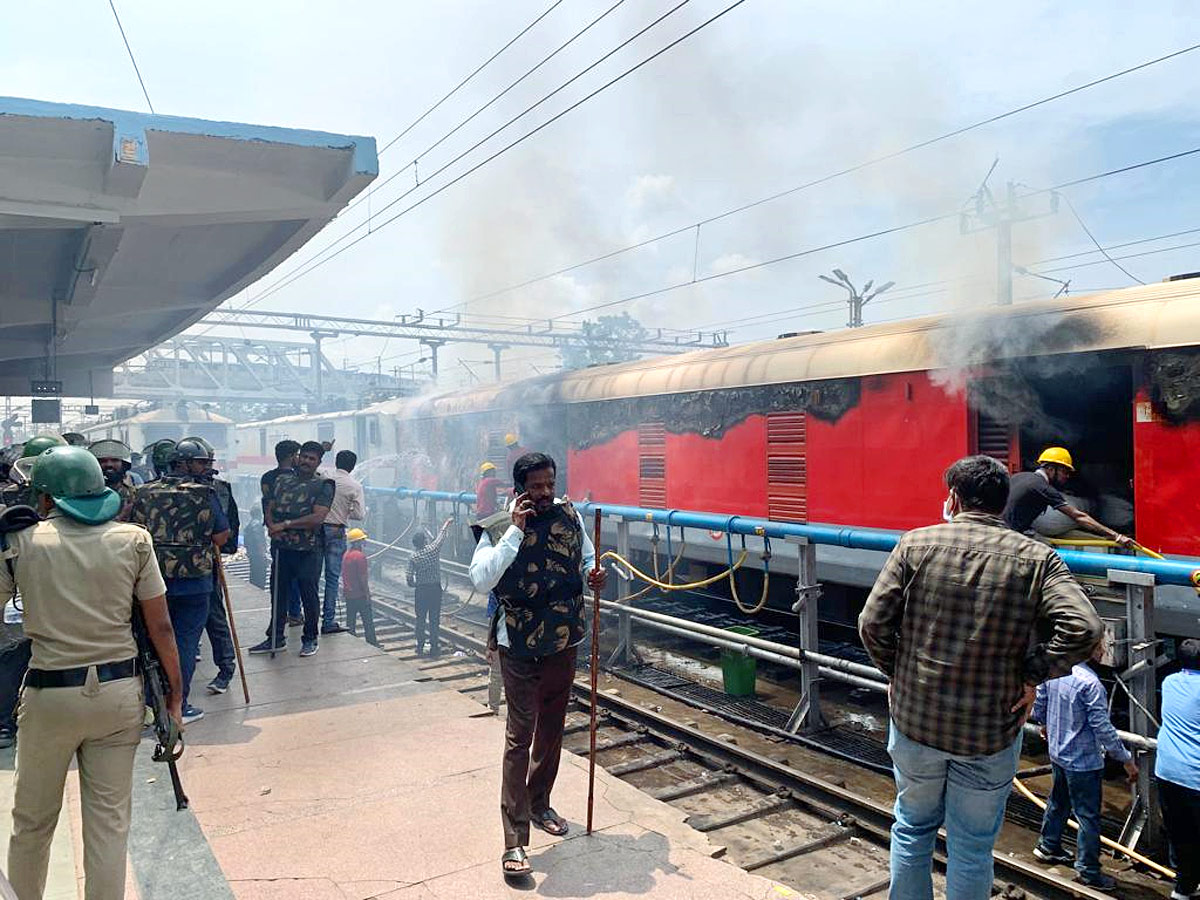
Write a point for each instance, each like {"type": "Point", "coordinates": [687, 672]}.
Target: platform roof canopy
{"type": "Point", "coordinates": [118, 229]}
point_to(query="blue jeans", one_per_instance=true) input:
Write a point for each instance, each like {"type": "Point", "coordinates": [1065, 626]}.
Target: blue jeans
{"type": "Point", "coordinates": [335, 549]}
{"type": "Point", "coordinates": [189, 614]}
{"type": "Point", "coordinates": [1078, 791]}
{"type": "Point", "coordinates": [295, 609]}
{"type": "Point", "coordinates": [965, 793]}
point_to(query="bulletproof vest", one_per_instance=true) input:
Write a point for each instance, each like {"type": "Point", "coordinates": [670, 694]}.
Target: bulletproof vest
{"type": "Point", "coordinates": [178, 514]}
{"type": "Point", "coordinates": [228, 506]}
{"type": "Point", "coordinates": [125, 490]}
{"type": "Point", "coordinates": [542, 591]}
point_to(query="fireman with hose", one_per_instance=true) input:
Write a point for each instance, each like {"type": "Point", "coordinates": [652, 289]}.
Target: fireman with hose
{"type": "Point", "coordinates": [1032, 493]}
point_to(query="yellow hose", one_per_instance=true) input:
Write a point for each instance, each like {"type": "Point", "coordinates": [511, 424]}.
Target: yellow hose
{"type": "Point", "coordinates": [1107, 842]}
{"type": "Point", "coordinates": [762, 598]}
{"type": "Point", "coordinates": [1104, 542]}
{"type": "Point", "coordinates": [663, 586]}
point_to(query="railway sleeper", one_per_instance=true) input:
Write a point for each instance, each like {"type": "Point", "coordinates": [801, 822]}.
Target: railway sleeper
{"type": "Point", "coordinates": [624, 740]}
{"type": "Point", "coordinates": [652, 761]}
{"type": "Point", "coordinates": [468, 673]}
{"type": "Point", "coordinates": [763, 807]}
{"type": "Point", "coordinates": [827, 840]}
{"type": "Point", "coordinates": [867, 890]}
{"type": "Point", "coordinates": [693, 786]}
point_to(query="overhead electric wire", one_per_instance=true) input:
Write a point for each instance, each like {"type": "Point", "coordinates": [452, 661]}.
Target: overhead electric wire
{"type": "Point", "coordinates": [830, 177]}
{"type": "Point", "coordinates": [454, 90]}
{"type": "Point", "coordinates": [296, 274]}
{"type": "Point", "coordinates": [853, 240]}
{"type": "Point", "coordinates": [1092, 237]}
{"type": "Point", "coordinates": [138, 72]}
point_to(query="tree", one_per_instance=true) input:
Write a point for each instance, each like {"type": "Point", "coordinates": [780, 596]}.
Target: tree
{"type": "Point", "coordinates": [610, 339]}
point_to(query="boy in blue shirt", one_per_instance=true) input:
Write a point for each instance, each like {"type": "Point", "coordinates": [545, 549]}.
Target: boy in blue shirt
{"type": "Point", "coordinates": [1074, 710]}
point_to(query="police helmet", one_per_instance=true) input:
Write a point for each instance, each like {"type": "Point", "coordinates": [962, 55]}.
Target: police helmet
{"type": "Point", "coordinates": [72, 478]}
{"type": "Point", "coordinates": [162, 453]}
{"type": "Point", "coordinates": [191, 448]}
{"type": "Point", "coordinates": [109, 448]}
{"type": "Point", "coordinates": [35, 446]}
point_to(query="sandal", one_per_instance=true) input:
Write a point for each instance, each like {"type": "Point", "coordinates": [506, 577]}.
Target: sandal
{"type": "Point", "coordinates": [515, 855]}
{"type": "Point", "coordinates": [551, 822]}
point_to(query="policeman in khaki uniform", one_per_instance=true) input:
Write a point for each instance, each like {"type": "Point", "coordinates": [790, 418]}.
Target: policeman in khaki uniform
{"type": "Point", "coordinates": [79, 573]}
{"type": "Point", "coordinates": [185, 519]}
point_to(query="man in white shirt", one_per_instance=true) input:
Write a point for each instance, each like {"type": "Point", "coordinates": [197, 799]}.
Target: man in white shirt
{"type": "Point", "coordinates": [349, 506]}
{"type": "Point", "coordinates": [535, 558]}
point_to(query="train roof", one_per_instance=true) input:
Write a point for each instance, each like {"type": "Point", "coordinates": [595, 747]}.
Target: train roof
{"type": "Point", "coordinates": [1155, 316]}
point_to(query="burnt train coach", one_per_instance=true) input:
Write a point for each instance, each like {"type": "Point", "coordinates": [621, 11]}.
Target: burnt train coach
{"type": "Point", "coordinates": [855, 427]}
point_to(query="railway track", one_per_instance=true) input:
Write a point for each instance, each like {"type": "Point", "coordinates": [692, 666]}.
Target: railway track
{"type": "Point", "coordinates": [765, 816]}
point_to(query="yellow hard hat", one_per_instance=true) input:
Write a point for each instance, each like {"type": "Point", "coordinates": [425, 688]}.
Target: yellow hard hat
{"type": "Point", "coordinates": [1058, 455]}
{"type": "Point", "coordinates": [487, 467]}
{"type": "Point", "coordinates": [510, 439]}
{"type": "Point", "coordinates": [356, 534]}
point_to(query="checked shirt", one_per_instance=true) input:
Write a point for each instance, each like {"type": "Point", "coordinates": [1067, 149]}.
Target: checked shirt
{"type": "Point", "coordinates": [954, 621]}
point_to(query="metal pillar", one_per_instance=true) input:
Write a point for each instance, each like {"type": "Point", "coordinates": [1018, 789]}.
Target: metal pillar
{"type": "Point", "coordinates": [625, 652]}
{"type": "Point", "coordinates": [807, 715]}
{"type": "Point", "coordinates": [1139, 679]}
{"type": "Point", "coordinates": [433, 346]}
{"type": "Point", "coordinates": [497, 349]}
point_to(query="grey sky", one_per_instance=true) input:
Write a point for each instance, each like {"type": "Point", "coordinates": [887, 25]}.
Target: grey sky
{"type": "Point", "coordinates": [774, 94]}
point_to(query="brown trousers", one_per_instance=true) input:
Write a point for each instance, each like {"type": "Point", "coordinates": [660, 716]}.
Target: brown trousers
{"type": "Point", "coordinates": [537, 691]}
{"type": "Point", "coordinates": [98, 726]}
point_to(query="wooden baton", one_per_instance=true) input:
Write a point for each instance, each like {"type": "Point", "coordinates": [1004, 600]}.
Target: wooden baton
{"type": "Point", "coordinates": [237, 648]}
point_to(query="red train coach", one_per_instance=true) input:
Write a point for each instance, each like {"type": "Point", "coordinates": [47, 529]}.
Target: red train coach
{"type": "Point", "coordinates": [856, 427]}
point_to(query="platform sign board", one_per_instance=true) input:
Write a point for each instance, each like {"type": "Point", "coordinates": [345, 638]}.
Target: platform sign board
{"type": "Point", "coordinates": [46, 411]}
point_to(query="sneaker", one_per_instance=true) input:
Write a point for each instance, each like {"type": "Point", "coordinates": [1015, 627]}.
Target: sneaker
{"type": "Point", "coordinates": [219, 685]}
{"type": "Point", "coordinates": [293, 621]}
{"type": "Point", "coordinates": [1101, 882]}
{"type": "Point", "coordinates": [8, 737]}
{"type": "Point", "coordinates": [335, 628]}
{"type": "Point", "coordinates": [1053, 857]}
{"type": "Point", "coordinates": [308, 648]}
{"type": "Point", "coordinates": [266, 647]}
{"type": "Point", "coordinates": [191, 714]}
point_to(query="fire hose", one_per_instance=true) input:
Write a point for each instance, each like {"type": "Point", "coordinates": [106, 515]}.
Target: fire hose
{"type": "Point", "coordinates": [1107, 842]}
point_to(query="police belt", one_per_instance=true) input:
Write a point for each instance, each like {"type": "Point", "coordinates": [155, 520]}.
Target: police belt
{"type": "Point", "coordinates": [57, 678]}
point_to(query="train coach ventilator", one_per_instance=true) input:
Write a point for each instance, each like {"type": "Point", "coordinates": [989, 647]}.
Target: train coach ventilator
{"type": "Point", "coordinates": [1106, 841]}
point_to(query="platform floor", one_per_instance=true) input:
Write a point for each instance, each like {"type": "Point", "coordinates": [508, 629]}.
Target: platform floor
{"type": "Point", "coordinates": [351, 776]}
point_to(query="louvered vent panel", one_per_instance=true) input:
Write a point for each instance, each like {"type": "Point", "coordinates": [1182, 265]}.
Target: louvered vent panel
{"type": "Point", "coordinates": [787, 467]}
{"type": "Point", "coordinates": [994, 439]}
{"type": "Point", "coordinates": [652, 464]}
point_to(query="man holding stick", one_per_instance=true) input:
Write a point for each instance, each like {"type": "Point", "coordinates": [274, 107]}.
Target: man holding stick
{"type": "Point", "coordinates": [534, 556]}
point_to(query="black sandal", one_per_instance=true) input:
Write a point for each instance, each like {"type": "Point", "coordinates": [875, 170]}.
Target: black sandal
{"type": "Point", "coordinates": [515, 855]}
{"type": "Point", "coordinates": [551, 822]}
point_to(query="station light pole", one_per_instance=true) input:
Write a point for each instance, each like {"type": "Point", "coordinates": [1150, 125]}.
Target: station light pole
{"type": "Point", "coordinates": [858, 299]}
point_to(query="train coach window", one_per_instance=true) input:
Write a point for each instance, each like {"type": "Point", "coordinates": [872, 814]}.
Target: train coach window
{"type": "Point", "coordinates": [373, 431]}
{"type": "Point", "coordinates": [262, 442]}
{"type": "Point", "coordinates": [325, 431]}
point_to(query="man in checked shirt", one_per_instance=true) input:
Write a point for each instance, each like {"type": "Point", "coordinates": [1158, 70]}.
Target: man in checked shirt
{"type": "Point", "coordinates": [424, 576]}
{"type": "Point", "coordinates": [953, 621]}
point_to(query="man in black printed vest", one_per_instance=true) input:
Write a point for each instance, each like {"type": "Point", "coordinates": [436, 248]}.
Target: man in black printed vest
{"type": "Point", "coordinates": [535, 557]}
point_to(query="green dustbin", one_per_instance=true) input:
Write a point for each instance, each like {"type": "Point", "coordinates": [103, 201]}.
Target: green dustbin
{"type": "Point", "coordinates": [738, 671]}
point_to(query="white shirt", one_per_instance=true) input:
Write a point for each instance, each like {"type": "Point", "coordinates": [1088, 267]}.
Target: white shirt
{"type": "Point", "coordinates": [349, 499]}
{"type": "Point", "coordinates": [489, 563]}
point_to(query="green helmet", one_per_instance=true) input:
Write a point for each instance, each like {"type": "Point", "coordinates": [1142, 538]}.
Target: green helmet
{"type": "Point", "coordinates": [35, 446]}
{"type": "Point", "coordinates": [190, 448]}
{"type": "Point", "coordinates": [72, 478]}
{"type": "Point", "coordinates": [109, 448]}
{"type": "Point", "coordinates": [161, 454]}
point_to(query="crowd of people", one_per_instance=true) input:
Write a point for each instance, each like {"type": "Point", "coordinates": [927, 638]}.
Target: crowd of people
{"type": "Point", "coordinates": [977, 625]}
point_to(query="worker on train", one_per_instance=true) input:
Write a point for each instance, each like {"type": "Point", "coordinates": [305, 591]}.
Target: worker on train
{"type": "Point", "coordinates": [487, 491]}
{"type": "Point", "coordinates": [1032, 493]}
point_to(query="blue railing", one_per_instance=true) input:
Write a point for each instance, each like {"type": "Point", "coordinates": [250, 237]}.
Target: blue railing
{"type": "Point", "coordinates": [1165, 571]}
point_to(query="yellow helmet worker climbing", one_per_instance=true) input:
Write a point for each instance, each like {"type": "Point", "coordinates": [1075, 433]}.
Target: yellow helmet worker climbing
{"type": "Point", "coordinates": [1060, 456]}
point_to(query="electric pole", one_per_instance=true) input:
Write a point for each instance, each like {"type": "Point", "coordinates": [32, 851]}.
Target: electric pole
{"type": "Point", "coordinates": [987, 213]}
{"type": "Point", "coordinates": [858, 299]}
